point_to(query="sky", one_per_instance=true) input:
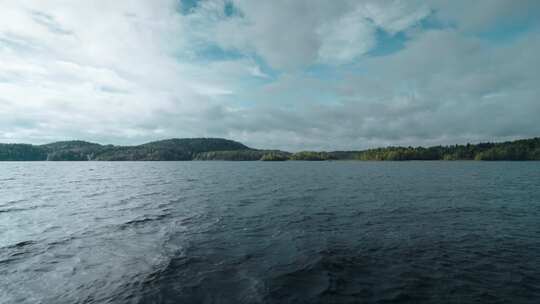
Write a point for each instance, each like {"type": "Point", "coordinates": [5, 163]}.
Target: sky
{"type": "Point", "coordinates": [282, 74]}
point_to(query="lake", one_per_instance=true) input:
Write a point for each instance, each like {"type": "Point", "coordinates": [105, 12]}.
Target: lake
{"type": "Point", "coordinates": [259, 232]}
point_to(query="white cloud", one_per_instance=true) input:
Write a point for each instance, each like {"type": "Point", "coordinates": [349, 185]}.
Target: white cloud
{"type": "Point", "coordinates": [132, 71]}
{"type": "Point", "coordinates": [395, 15]}
{"type": "Point", "coordinates": [294, 34]}
{"type": "Point", "coordinates": [112, 67]}
{"type": "Point", "coordinates": [346, 38]}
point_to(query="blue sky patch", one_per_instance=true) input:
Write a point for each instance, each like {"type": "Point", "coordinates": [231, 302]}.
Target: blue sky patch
{"type": "Point", "coordinates": [387, 43]}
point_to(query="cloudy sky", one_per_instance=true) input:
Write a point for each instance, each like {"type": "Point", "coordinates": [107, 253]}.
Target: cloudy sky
{"type": "Point", "coordinates": [288, 74]}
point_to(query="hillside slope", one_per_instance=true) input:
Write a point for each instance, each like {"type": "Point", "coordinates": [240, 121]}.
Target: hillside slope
{"type": "Point", "coordinates": [170, 149]}
{"type": "Point", "coordinates": [224, 149]}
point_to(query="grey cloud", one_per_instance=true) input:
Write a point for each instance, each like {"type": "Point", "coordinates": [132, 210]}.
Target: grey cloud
{"type": "Point", "coordinates": [444, 88]}
{"type": "Point", "coordinates": [130, 80]}
{"type": "Point", "coordinates": [294, 34]}
{"type": "Point", "coordinates": [480, 15]}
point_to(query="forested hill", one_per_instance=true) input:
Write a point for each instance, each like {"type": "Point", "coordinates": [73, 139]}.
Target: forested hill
{"type": "Point", "coordinates": [171, 149]}
{"type": "Point", "coordinates": [523, 149]}
{"type": "Point", "coordinates": [224, 149]}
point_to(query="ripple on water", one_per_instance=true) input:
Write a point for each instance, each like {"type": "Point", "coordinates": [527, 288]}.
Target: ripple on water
{"type": "Point", "coordinates": [220, 232]}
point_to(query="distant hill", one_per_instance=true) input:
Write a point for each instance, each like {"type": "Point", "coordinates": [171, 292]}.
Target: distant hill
{"type": "Point", "coordinates": [524, 149]}
{"type": "Point", "coordinates": [16, 152]}
{"type": "Point", "coordinates": [169, 150]}
{"type": "Point", "coordinates": [72, 144]}
{"type": "Point", "coordinates": [76, 150]}
{"type": "Point", "coordinates": [223, 149]}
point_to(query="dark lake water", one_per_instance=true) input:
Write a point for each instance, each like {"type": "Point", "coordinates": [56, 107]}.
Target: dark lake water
{"type": "Point", "coordinates": [256, 232]}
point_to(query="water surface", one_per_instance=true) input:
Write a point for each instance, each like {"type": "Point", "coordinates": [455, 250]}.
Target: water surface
{"type": "Point", "coordinates": [256, 232]}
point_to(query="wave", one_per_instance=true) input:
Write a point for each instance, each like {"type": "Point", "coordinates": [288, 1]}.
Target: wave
{"type": "Point", "coordinates": [144, 220]}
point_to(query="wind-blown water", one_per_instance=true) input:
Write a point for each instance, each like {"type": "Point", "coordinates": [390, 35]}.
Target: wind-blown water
{"type": "Point", "coordinates": [256, 232]}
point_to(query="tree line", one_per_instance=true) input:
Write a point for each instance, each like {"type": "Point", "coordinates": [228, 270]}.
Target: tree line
{"type": "Point", "coordinates": [223, 149]}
